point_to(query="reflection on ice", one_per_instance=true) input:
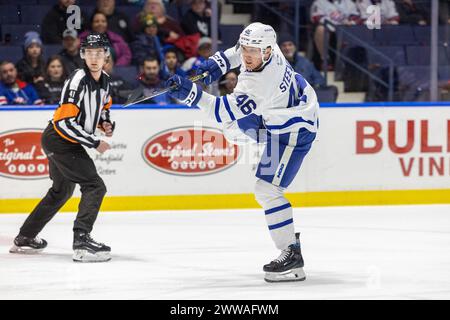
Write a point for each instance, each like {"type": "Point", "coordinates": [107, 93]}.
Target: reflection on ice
{"type": "Point", "coordinates": [350, 253]}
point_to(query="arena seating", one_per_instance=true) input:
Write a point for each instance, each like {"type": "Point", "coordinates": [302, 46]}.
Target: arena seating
{"type": "Point", "coordinates": [408, 46]}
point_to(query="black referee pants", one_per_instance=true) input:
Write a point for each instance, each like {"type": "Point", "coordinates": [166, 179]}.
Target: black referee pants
{"type": "Point", "coordinates": [69, 164]}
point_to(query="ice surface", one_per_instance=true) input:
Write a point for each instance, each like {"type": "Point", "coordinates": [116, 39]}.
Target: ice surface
{"type": "Point", "coordinates": [396, 252]}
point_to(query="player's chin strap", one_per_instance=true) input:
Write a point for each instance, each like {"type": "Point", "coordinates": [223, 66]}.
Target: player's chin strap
{"type": "Point", "coordinates": [272, 52]}
{"type": "Point", "coordinates": [268, 59]}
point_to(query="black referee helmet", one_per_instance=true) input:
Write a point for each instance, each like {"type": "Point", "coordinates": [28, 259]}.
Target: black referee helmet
{"type": "Point", "coordinates": [95, 40]}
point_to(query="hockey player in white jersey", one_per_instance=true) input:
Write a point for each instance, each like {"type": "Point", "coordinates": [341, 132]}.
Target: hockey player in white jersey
{"type": "Point", "coordinates": [271, 104]}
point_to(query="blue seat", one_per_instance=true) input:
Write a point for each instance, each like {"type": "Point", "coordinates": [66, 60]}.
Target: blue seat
{"type": "Point", "coordinates": [17, 31]}
{"type": "Point", "coordinates": [230, 34]}
{"type": "Point", "coordinates": [420, 55]}
{"type": "Point", "coordinates": [326, 94]}
{"type": "Point", "coordinates": [360, 32]}
{"type": "Point", "coordinates": [444, 73]}
{"type": "Point", "coordinates": [394, 35]}
{"type": "Point", "coordinates": [423, 35]}
{"type": "Point", "coordinates": [9, 13]}
{"type": "Point", "coordinates": [34, 14]}
{"type": "Point", "coordinates": [128, 73]}
{"type": "Point", "coordinates": [396, 53]}
{"type": "Point", "coordinates": [11, 53]}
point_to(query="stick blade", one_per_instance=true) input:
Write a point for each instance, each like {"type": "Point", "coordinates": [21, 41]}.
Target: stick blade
{"type": "Point", "coordinates": [134, 96]}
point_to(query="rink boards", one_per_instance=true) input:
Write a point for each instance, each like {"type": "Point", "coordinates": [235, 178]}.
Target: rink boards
{"type": "Point", "coordinates": [172, 157]}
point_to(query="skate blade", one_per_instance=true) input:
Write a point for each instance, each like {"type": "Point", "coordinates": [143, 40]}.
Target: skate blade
{"type": "Point", "coordinates": [89, 257]}
{"type": "Point", "coordinates": [288, 276]}
{"type": "Point", "coordinates": [25, 250]}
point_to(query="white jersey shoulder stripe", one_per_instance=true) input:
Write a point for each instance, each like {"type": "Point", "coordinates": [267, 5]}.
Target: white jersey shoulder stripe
{"type": "Point", "coordinates": [76, 79]}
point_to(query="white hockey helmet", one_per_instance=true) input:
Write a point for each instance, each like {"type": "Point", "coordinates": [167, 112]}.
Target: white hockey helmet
{"type": "Point", "coordinates": [259, 35]}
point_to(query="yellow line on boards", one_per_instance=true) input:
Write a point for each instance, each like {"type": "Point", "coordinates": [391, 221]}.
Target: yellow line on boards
{"type": "Point", "coordinates": [235, 201]}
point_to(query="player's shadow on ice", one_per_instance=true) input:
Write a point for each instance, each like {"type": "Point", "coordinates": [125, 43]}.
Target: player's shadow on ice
{"type": "Point", "coordinates": [256, 281]}
{"type": "Point", "coordinates": [329, 279]}
{"type": "Point", "coordinates": [66, 257]}
{"type": "Point", "coordinates": [312, 279]}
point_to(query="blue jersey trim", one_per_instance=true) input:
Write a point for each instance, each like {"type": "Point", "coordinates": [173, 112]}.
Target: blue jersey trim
{"type": "Point", "coordinates": [289, 123]}
{"type": "Point", "coordinates": [198, 96]}
{"type": "Point", "coordinates": [216, 110]}
{"type": "Point", "coordinates": [227, 107]}
{"type": "Point", "coordinates": [281, 224]}
{"type": "Point", "coordinates": [276, 209]}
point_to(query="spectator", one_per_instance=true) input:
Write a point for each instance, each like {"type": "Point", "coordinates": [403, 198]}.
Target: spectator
{"type": "Point", "coordinates": [12, 90]}
{"type": "Point", "coordinates": [338, 12]}
{"type": "Point", "coordinates": [169, 28]}
{"type": "Point", "coordinates": [120, 89]}
{"type": "Point", "coordinates": [71, 51]}
{"type": "Point", "coordinates": [204, 51]}
{"type": "Point", "coordinates": [50, 89]}
{"type": "Point", "coordinates": [388, 11]}
{"type": "Point", "coordinates": [171, 64]}
{"type": "Point", "coordinates": [229, 82]}
{"type": "Point", "coordinates": [150, 79]}
{"type": "Point", "coordinates": [31, 68]}
{"type": "Point", "coordinates": [147, 43]}
{"type": "Point", "coordinates": [119, 48]}
{"type": "Point", "coordinates": [411, 12]}
{"type": "Point", "coordinates": [118, 22]}
{"type": "Point", "coordinates": [299, 63]}
{"type": "Point", "coordinates": [197, 19]}
{"type": "Point", "coordinates": [55, 22]}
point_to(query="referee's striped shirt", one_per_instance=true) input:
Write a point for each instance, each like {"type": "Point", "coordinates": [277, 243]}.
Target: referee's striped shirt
{"type": "Point", "coordinates": [83, 106]}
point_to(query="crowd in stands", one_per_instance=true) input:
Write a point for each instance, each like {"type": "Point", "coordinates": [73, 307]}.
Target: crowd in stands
{"type": "Point", "coordinates": [349, 12]}
{"type": "Point", "coordinates": [151, 41]}
{"type": "Point", "coordinates": [153, 45]}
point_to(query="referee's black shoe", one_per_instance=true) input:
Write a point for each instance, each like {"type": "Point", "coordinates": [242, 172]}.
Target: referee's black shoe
{"type": "Point", "coordinates": [86, 249]}
{"type": "Point", "coordinates": [28, 245]}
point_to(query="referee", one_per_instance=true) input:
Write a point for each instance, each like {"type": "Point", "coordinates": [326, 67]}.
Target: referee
{"type": "Point", "coordinates": [84, 106]}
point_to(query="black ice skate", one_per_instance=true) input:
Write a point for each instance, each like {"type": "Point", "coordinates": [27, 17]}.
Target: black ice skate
{"type": "Point", "coordinates": [288, 266]}
{"type": "Point", "coordinates": [28, 245]}
{"type": "Point", "coordinates": [86, 249]}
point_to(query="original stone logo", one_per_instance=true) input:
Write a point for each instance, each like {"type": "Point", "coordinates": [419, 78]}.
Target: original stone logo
{"type": "Point", "coordinates": [21, 155]}
{"type": "Point", "coordinates": [190, 151]}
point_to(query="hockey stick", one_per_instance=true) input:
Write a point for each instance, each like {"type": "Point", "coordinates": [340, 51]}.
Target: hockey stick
{"type": "Point", "coordinates": [133, 99]}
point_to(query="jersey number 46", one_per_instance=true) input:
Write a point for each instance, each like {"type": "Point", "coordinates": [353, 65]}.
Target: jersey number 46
{"type": "Point", "coordinates": [245, 104]}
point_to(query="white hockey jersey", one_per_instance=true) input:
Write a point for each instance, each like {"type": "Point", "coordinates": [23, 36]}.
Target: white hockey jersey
{"type": "Point", "coordinates": [284, 99]}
